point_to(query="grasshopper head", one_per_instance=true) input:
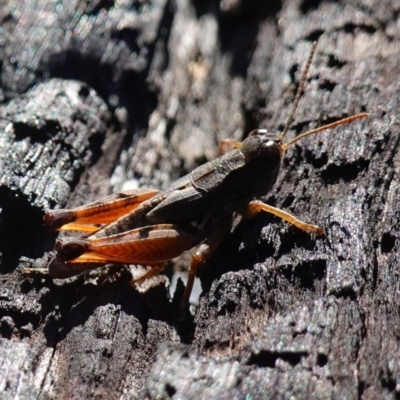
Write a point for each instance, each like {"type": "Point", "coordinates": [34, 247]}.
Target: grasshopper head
{"type": "Point", "coordinates": [263, 153]}
{"type": "Point", "coordinates": [264, 148]}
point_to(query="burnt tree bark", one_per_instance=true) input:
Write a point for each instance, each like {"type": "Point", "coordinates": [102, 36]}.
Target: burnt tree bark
{"type": "Point", "coordinates": [98, 96]}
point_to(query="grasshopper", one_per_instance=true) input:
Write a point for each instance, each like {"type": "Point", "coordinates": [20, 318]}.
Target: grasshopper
{"type": "Point", "coordinates": [150, 227]}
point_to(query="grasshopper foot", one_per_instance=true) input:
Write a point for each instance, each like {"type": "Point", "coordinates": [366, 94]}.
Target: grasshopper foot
{"type": "Point", "coordinates": [152, 271]}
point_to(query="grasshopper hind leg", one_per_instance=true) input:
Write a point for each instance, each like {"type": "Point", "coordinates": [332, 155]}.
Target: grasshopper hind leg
{"type": "Point", "coordinates": [90, 217]}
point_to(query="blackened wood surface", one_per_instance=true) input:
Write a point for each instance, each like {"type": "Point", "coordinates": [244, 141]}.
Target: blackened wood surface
{"type": "Point", "coordinates": [100, 96]}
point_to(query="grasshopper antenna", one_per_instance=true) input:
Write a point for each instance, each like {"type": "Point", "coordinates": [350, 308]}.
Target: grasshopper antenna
{"type": "Point", "coordinates": [324, 128]}
{"type": "Point", "coordinates": [299, 90]}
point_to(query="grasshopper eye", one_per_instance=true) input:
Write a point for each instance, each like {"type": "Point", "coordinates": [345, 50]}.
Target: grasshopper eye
{"type": "Point", "coordinates": [258, 132]}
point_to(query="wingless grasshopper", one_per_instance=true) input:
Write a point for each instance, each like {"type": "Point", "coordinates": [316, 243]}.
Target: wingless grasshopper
{"type": "Point", "coordinates": [150, 227]}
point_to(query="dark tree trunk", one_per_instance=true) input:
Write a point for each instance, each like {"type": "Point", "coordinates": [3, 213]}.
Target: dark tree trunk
{"type": "Point", "coordinates": [100, 96]}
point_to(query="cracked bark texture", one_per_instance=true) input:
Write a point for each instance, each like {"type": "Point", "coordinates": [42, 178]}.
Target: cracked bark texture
{"type": "Point", "coordinates": [101, 96]}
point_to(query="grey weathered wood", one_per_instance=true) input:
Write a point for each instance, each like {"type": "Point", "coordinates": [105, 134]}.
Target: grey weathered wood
{"type": "Point", "coordinates": [96, 98]}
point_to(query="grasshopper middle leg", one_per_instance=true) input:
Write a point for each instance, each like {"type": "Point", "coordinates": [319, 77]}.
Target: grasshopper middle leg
{"type": "Point", "coordinates": [204, 251]}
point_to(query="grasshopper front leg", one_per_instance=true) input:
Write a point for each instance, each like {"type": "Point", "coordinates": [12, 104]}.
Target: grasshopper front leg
{"type": "Point", "coordinates": [256, 206]}
{"type": "Point", "coordinates": [100, 212]}
{"type": "Point", "coordinates": [227, 145]}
